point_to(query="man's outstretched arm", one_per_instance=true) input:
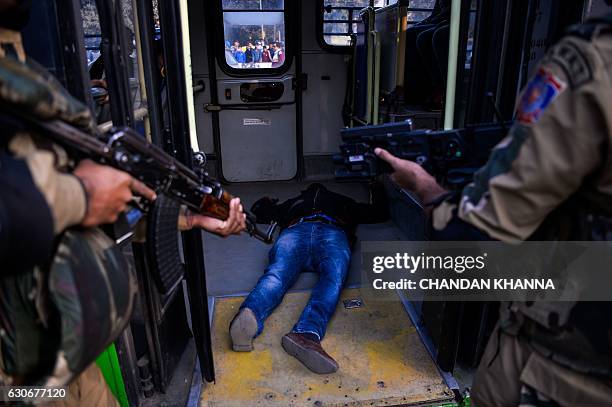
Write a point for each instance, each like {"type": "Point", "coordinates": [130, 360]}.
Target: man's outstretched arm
{"type": "Point", "coordinates": [233, 225]}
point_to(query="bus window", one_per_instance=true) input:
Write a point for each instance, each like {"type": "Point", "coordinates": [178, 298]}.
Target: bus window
{"type": "Point", "coordinates": [419, 10]}
{"type": "Point", "coordinates": [340, 17]}
{"type": "Point", "coordinates": [340, 20]}
{"type": "Point", "coordinates": [254, 33]}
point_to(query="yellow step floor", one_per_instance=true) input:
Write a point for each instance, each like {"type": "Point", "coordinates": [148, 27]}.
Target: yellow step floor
{"type": "Point", "coordinates": [382, 360]}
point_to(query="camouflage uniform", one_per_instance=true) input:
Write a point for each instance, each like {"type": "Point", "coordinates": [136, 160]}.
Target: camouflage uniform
{"type": "Point", "coordinates": [31, 88]}
{"type": "Point", "coordinates": [559, 151]}
{"type": "Point", "coordinates": [62, 191]}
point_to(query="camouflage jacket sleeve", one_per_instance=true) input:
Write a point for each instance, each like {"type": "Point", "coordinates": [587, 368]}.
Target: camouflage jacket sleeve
{"type": "Point", "coordinates": [28, 87]}
{"type": "Point", "coordinates": [63, 191]}
{"type": "Point", "coordinates": [560, 133]}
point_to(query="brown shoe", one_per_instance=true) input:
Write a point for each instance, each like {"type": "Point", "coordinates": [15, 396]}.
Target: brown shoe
{"type": "Point", "coordinates": [309, 352]}
{"type": "Point", "coordinates": [242, 330]}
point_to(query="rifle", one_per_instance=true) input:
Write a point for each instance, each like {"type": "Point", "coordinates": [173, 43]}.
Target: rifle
{"type": "Point", "coordinates": [126, 150]}
{"type": "Point", "coordinates": [452, 156]}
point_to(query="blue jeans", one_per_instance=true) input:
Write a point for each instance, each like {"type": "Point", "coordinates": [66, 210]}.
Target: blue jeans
{"type": "Point", "coordinates": [306, 246]}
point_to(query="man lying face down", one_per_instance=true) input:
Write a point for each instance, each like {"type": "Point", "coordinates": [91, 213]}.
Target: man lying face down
{"type": "Point", "coordinates": [317, 232]}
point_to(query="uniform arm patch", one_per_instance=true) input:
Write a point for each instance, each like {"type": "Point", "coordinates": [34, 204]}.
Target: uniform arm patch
{"type": "Point", "coordinates": [543, 88]}
{"type": "Point", "coordinates": [573, 62]}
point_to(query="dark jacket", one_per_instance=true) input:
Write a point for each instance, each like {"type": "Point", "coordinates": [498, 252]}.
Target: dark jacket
{"type": "Point", "coordinates": [318, 199]}
{"type": "Point", "coordinates": [248, 55]}
{"type": "Point", "coordinates": [26, 221]}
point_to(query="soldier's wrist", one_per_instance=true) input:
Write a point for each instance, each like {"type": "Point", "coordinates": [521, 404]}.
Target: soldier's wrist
{"type": "Point", "coordinates": [430, 191]}
{"type": "Point", "coordinates": [85, 195]}
{"type": "Point", "coordinates": [70, 202]}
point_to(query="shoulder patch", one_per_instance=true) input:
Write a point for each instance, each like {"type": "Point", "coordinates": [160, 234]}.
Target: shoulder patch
{"type": "Point", "coordinates": [574, 63]}
{"type": "Point", "coordinates": [543, 88]}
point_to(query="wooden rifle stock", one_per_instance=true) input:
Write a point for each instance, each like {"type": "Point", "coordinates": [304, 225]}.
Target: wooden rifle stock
{"type": "Point", "coordinates": [219, 208]}
{"type": "Point", "coordinates": [216, 207]}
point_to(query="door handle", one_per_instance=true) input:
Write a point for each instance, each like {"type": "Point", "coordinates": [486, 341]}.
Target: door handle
{"type": "Point", "coordinates": [209, 108]}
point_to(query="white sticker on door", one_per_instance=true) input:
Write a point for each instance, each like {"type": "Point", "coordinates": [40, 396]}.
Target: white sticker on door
{"type": "Point", "coordinates": [256, 122]}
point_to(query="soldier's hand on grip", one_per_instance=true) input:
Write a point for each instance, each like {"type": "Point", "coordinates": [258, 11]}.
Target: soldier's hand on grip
{"type": "Point", "coordinates": [108, 192]}
{"type": "Point", "coordinates": [412, 177]}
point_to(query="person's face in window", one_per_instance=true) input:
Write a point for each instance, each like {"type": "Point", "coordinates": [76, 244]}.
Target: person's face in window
{"type": "Point", "coordinates": [236, 44]}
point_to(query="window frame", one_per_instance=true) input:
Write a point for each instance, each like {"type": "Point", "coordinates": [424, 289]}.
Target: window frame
{"type": "Point", "coordinates": [320, 34]}
{"type": "Point", "coordinates": [254, 72]}
{"type": "Point", "coordinates": [346, 49]}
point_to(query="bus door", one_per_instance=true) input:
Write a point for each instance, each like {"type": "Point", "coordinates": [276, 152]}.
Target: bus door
{"type": "Point", "coordinates": [255, 135]}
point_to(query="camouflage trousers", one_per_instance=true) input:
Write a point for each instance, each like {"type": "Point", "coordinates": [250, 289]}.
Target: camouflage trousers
{"type": "Point", "coordinates": [512, 374]}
